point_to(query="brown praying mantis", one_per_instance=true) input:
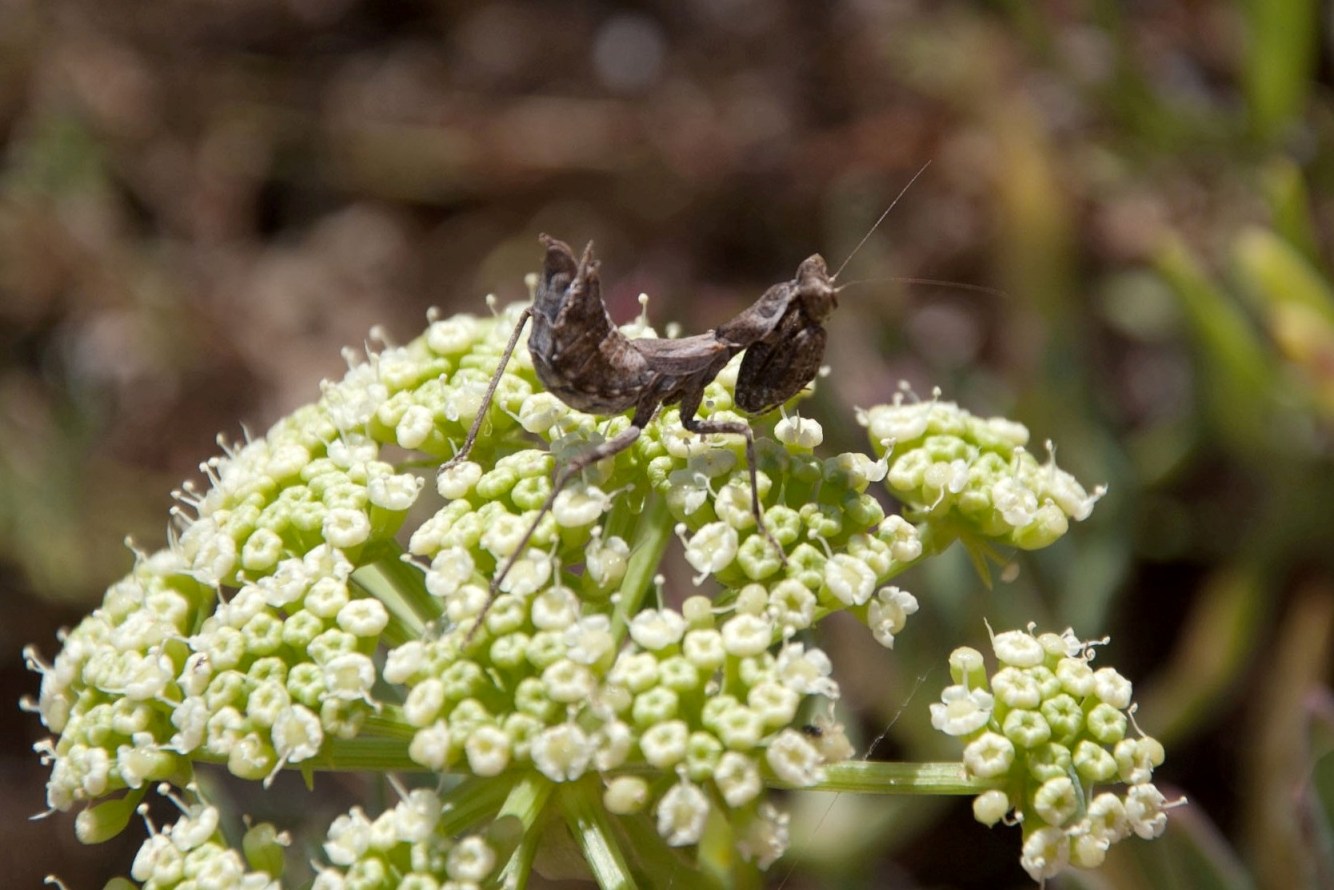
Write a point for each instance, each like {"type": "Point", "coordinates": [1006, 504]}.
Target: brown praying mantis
{"type": "Point", "coordinates": [585, 361]}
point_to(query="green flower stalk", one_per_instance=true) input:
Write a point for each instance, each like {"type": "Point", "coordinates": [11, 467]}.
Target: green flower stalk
{"type": "Point", "coordinates": [325, 604]}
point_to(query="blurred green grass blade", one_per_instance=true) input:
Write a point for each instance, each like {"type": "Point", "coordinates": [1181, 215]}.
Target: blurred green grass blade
{"type": "Point", "coordinates": [1290, 206]}
{"type": "Point", "coordinates": [1280, 61]}
{"type": "Point", "coordinates": [1236, 374]}
{"type": "Point", "coordinates": [1280, 276]}
{"type": "Point", "coordinates": [1297, 304]}
{"type": "Point", "coordinates": [1278, 760]}
{"type": "Point", "coordinates": [1216, 644]}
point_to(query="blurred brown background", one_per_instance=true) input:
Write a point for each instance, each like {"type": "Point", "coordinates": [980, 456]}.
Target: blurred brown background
{"type": "Point", "coordinates": [201, 203]}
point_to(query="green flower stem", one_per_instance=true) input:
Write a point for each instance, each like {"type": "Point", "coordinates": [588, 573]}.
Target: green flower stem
{"type": "Point", "coordinates": [361, 753]}
{"type": "Point", "coordinates": [389, 722]}
{"type": "Point", "coordinates": [934, 538]}
{"type": "Point", "coordinates": [651, 536]}
{"type": "Point", "coordinates": [865, 777]}
{"type": "Point", "coordinates": [526, 802]}
{"type": "Point", "coordinates": [581, 803]}
{"type": "Point", "coordinates": [625, 511]}
{"type": "Point", "coordinates": [473, 802]}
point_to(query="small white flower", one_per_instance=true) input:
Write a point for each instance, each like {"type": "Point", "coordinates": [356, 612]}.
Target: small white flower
{"type": "Point", "coordinates": [262, 550]}
{"type": "Point", "coordinates": [1075, 676]}
{"type": "Point", "coordinates": [345, 527]}
{"type": "Point", "coordinates": [733, 505]}
{"type": "Point", "coordinates": [776, 704]}
{"type": "Point", "coordinates": [554, 609]}
{"type": "Point", "coordinates": [562, 753]}
{"type": "Point", "coordinates": [297, 734]}
{"type": "Point", "coordinates": [1056, 801]}
{"type": "Point", "coordinates": [616, 739]}
{"type": "Point", "coordinates": [455, 482]}
{"type": "Point", "coordinates": [791, 605]}
{"type": "Point", "coordinates": [664, 744]}
{"type": "Point", "coordinates": [396, 492]}
{"type": "Point", "coordinates": [414, 427]}
{"type": "Point", "coordinates": [989, 756]}
{"type": "Point", "coordinates": [655, 629]}
{"type": "Point", "coordinates": [216, 554]}
{"type": "Point", "coordinates": [794, 759]}
{"type": "Point", "coordinates": [1016, 503]}
{"type": "Point", "coordinates": [682, 812]}
{"type": "Point", "coordinates": [848, 579]}
{"type": "Point", "coordinates": [195, 828]}
{"type": "Point", "coordinates": [326, 597]}
{"type": "Point", "coordinates": [625, 795]}
{"type": "Point", "coordinates": [416, 816]}
{"type": "Point", "coordinates": [568, 682]}
{"type": "Point", "coordinates": [901, 423]}
{"type": "Point", "coordinates": [990, 807]}
{"type": "Point", "coordinates": [704, 648]}
{"type": "Point", "coordinates": [1109, 686]}
{"type": "Point", "coordinates": [764, 839]}
{"type": "Point", "coordinates": [1106, 818]}
{"type": "Point", "coordinates": [1136, 758]}
{"type": "Point", "coordinates": [799, 432]}
{"type": "Point", "coordinates": [807, 671]}
{"type": "Point", "coordinates": [1046, 853]}
{"type": "Point", "coordinates": [1016, 689]}
{"type": "Point", "coordinates": [451, 568]}
{"type": "Point", "coordinates": [589, 640]}
{"type": "Point", "coordinates": [606, 561]}
{"type": "Point", "coordinates": [578, 507]}
{"type": "Point", "coordinates": [888, 614]}
{"type": "Point", "coordinates": [961, 710]}
{"type": "Point", "coordinates": [712, 549]}
{"type": "Point", "coordinates": [430, 746]}
{"type": "Point", "coordinates": [529, 573]}
{"type": "Point", "coordinates": [471, 859]}
{"type": "Point", "coordinates": [451, 336]}
{"type": "Point", "coordinates": [404, 661]}
{"type": "Point", "coordinates": [747, 635]}
{"type": "Point", "coordinates": [541, 411]}
{"type": "Point", "coordinates": [738, 779]}
{"type": "Point", "coordinates": [503, 534]}
{"type": "Point", "coordinates": [636, 671]}
{"type": "Point", "coordinates": [905, 541]}
{"type": "Point", "coordinates": [350, 676]}
{"type": "Point", "coordinates": [488, 751]}
{"type": "Point", "coordinates": [1017, 648]}
{"type": "Point", "coordinates": [424, 702]}
{"type": "Point", "coordinates": [365, 617]}
{"type": "Point", "coordinates": [158, 860]}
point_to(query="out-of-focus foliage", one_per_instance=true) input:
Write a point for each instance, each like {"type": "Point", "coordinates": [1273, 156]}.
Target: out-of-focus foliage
{"type": "Point", "coordinates": [201, 203]}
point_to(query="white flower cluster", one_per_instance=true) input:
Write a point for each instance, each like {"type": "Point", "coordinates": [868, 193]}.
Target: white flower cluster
{"type": "Point", "coordinates": [946, 464]}
{"type": "Point", "coordinates": [689, 696]}
{"type": "Point", "coordinates": [1053, 733]}
{"type": "Point", "coordinates": [410, 847]}
{"type": "Point", "coordinates": [193, 853]}
{"type": "Point", "coordinates": [286, 622]}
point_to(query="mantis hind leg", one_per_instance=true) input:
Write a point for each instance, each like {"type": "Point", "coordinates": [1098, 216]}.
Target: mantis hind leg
{"type": "Point", "coordinates": [471, 439]}
{"type": "Point", "coordinates": [689, 405]}
{"type": "Point", "coordinates": [564, 475]}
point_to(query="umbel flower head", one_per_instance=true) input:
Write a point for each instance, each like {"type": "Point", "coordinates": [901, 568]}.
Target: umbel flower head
{"type": "Point", "coordinates": [1055, 735]}
{"type": "Point", "coordinates": [295, 622]}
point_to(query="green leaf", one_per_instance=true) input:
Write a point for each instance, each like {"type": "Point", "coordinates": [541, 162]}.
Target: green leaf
{"type": "Point", "coordinates": [1280, 61]}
